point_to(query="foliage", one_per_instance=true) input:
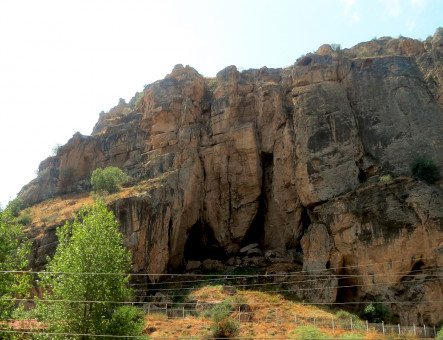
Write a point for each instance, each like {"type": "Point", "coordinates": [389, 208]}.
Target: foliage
{"type": "Point", "coordinates": [139, 99]}
{"type": "Point", "coordinates": [376, 313]}
{"type": "Point", "coordinates": [425, 169]}
{"type": "Point", "coordinates": [108, 179]}
{"type": "Point", "coordinates": [223, 326]}
{"type": "Point", "coordinates": [14, 251]}
{"type": "Point", "coordinates": [24, 218]}
{"type": "Point", "coordinates": [351, 336]}
{"type": "Point", "coordinates": [15, 206]}
{"type": "Point", "coordinates": [439, 335]}
{"type": "Point", "coordinates": [226, 328]}
{"type": "Point", "coordinates": [89, 265]}
{"type": "Point", "coordinates": [212, 84]}
{"type": "Point", "coordinates": [126, 320]}
{"type": "Point", "coordinates": [336, 47]}
{"type": "Point", "coordinates": [344, 320]}
{"type": "Point", "coordinates": [385, 179]}
{"type": "Point", "coordinates": [55, 149]}
{"type": "Point", "coordinates": [307, 333]}
{"type": "Point", "coordinates": [220, 311]}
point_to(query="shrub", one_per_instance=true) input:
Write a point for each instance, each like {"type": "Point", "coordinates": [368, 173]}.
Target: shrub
{"type": "Point", "coordinates": [24, 218]}
{"type": "Point", "coordinates": [15, 206]}
{"type": "Point", "coordinates": [226, 328]}
{"type": "Point", "coordinates": [307, 333]}
{"type": "Point", "coordinates": [425, 169]}
{"type": "Point", "coordinates": [108, 179]}
{"type": "Point", "coordinates": [223, 326]}
{"type": "Point", "coordinates": [439, 335]}
{"type": "Point", "coordinates": [376, 313]}
{"type": "Point", "coordinates": [126, 320]}
{"type": "Point", "coordinates": [385, 179]}
{"type": "Point", "coordinates": [336, 47]}
{"type": "Point", "coordinates": [344, 320]}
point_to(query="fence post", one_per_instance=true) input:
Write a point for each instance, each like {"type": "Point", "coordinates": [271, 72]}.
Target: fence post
{"type": "Point", "coordinates": [239, 311]}
{"type": "Point", "coordinates": [333, 324]}
{"type": "Point", "coordinates": [435, 333]}
{"type": "Point", "coordinates": [398, 329]}
{"type": "Point", "coordinates": [413, 327]}
{"type": "Point", "coordinates": [314, 320]}
{"type": "Point", "coordinates": [149, 308]}
{"type": "Point", "coordinates": [351, 324]}
{"type": "Point", "coordinates": [183, 311]}
{"type": "Point", "coordinates": [166, 309]}
{"type": "Point", "coordinates": [295, 318]}
{"type": "Point", "coordinates": [367, 326]}
{"type": "Point", "coordinates": [424, 327]}
{"type": "Point", "coordinates": [383, 326]}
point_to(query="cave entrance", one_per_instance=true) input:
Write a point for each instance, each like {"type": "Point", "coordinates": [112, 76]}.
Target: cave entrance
{"type": "Point", "coordinates": [256, 231]}
{"type": "Point", "coordinates": [347, 290]}
{"type": "Point", "coordinates": [201, 244]}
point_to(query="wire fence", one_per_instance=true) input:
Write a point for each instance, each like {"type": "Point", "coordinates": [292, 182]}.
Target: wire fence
{"type": "Point", "coordinates": [173, 287]}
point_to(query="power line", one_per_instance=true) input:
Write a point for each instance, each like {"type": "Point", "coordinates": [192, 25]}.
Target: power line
{"type": "Point", "coordinates": [212, 275]}
{"type": "Point", "coordinates": [326, 278]}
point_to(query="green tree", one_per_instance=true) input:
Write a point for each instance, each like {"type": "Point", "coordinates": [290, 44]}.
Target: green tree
{"type": "Point", "coordinates": [425, 169]}
{"type": "Point", "coordinates": [15, 206]}
{"type": "Point", "coordinates": [14, 252]}
{"type": "Point", "coordinates": [108, 179]}
{"type": "Point", "coordinates": [89, 266]}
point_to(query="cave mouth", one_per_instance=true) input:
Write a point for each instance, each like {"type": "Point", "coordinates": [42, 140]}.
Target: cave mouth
{"type": "Point", "coordinates": [256, 231]}
{"type": "Point", "coordinates": [416, 270]}
{"type": "Point", "coordinates": [347, 286]}
{"type": "Point", "coordinates": [201, 244]}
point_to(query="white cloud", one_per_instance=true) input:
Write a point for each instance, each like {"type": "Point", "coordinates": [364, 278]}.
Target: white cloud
{"type": "Point", "coordinates": [392, 7]}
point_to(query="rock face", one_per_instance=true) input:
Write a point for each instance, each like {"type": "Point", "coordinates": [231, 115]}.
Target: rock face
{"type": "Point", "coordinates": [289, 159]}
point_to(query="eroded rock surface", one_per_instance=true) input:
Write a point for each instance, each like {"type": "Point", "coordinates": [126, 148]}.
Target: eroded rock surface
{"type": "Point", "coordinates": [287, 158]}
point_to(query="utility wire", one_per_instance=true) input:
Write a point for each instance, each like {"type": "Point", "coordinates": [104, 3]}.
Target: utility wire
{"type": "Point", "coordinates": [205, 275]}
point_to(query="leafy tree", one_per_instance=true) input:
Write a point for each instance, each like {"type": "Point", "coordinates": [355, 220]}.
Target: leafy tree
{"type": "Point", "coordinates": [15, 206]}
{"type": "Point", "coordinates": [425, 169]}
{"type": "Point", "coordinates": [14, 251]}
{"type": "Point", "coordinates": [108, 179]}
{"type": "Point", "coordinates": [90, 265]}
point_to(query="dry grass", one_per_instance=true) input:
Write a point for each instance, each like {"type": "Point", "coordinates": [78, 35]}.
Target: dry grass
{"type": "Point", "coordinates": [56, 211]}
{"type": "Point", "coordinates": [271, 316]}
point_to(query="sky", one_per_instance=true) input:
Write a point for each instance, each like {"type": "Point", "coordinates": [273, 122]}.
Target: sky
{"type": "Point", "coordinates": [62, 62]}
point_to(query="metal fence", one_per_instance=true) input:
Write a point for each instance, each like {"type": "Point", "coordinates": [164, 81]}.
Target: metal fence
{"type": "Point", "coordinates": [275, 315]}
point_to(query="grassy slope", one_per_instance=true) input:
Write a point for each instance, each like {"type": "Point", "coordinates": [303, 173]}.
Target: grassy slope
{"type": "Point", "coordinates": [271, 316]}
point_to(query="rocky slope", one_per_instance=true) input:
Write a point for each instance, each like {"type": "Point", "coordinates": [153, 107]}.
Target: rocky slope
{"type": "Point", "coordinates": [292, 159]}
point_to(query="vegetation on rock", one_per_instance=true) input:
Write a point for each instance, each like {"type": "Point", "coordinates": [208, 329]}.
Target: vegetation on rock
{"type": "Point", "coordinates": [425, 169]}
{"type": "Point", "coordinates": [90, 265]}
{"type": "Point", "coordinates": [108, 179]}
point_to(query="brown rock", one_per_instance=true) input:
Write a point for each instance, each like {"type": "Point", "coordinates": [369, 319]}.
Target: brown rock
{"type": "Point", "coordinates": [283, 158]}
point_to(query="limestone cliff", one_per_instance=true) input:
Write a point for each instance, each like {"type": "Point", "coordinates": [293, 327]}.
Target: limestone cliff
{"type": "Point", "coordinates": [290, 159]}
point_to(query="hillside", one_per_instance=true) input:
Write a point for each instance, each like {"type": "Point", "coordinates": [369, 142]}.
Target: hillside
{"type": "Point", "coordinates": [306, 167]}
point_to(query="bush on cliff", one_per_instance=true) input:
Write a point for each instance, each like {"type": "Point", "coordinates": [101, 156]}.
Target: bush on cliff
{"type": "Point", "coordinates": [108, 179]}
{"type": "Point", "coordinates": [425, 169]}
